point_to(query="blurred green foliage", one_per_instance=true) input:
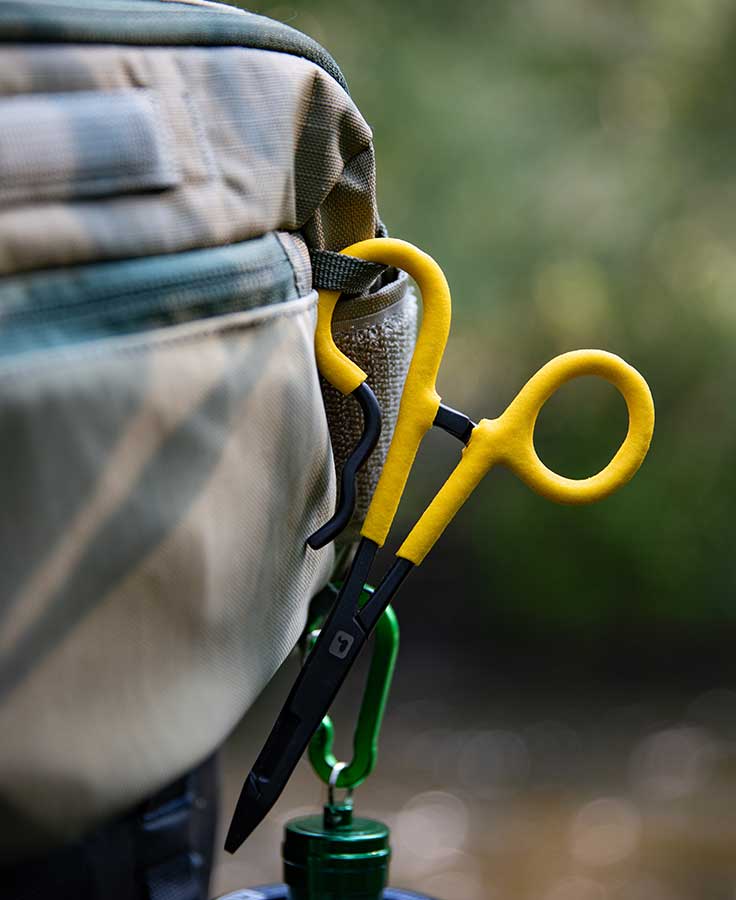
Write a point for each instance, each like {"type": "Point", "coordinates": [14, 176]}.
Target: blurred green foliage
{"type": "Point", "coordinates": [572, 167]}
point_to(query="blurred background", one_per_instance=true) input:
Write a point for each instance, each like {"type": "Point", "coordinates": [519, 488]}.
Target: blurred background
{"type": "Point", "coordinates": [563, 720]}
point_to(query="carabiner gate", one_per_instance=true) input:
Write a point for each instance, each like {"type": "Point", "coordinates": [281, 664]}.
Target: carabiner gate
{"type": "Point", "coordinates": [372, 707]}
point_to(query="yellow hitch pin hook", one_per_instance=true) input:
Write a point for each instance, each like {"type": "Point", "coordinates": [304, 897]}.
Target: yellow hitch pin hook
{"type": "Point", "coordinates": [419, 400]}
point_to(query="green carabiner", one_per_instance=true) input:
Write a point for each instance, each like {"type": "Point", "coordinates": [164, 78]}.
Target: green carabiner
{"type": "Point", "coordinates": [378, 683]}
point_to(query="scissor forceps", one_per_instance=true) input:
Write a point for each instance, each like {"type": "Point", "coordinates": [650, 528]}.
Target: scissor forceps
{"type": "Point", "coordinates": [507, 440]}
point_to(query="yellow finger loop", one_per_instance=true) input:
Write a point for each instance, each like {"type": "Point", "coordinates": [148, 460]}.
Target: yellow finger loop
{"type": "Point", "coordinates": [520, 417]}
{"type": "Point", "coordinates": [509, 440]}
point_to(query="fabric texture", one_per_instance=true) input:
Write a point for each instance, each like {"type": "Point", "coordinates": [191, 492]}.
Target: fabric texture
{"type": "Point", "coordinates": [261, 141]}
{"type": "Point", "coordinates": [160, 491]}
{"type": "Point", "coordinates": [83, 144]}
{"type": "Point", "coordinates": [64, 307]}
{"type": "Point", "coordinates": [333, 271]}
{"type": "Point", "coordinates": [150, 22]}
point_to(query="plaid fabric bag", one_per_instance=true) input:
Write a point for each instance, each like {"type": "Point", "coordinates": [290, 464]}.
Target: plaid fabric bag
{"type": "Point", "coordinates": [173, 177]}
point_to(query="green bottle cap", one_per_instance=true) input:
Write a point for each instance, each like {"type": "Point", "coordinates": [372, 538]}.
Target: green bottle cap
{"type": "Point", "coordinates": [336, 857]}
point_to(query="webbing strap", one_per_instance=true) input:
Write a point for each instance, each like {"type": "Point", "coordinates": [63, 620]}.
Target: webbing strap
{"type": "Point", "coordinates": [332, 271]}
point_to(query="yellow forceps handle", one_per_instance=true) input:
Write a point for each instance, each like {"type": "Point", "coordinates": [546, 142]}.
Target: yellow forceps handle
{"type": "Point", "coordinates": [420, 400]}
{"type": "Point", "coordinates": [509, 441]}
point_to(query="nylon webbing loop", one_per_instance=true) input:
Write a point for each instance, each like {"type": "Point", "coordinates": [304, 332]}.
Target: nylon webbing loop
{"type": "Point", "coordinates": [332, 271]}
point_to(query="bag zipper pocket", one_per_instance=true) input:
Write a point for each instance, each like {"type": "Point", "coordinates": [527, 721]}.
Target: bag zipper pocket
{"type": "Point", "coordinates": [92, 302]}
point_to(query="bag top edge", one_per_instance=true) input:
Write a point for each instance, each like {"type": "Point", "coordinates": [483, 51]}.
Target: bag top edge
{"type": "Point", "coordinates": [156, 23]}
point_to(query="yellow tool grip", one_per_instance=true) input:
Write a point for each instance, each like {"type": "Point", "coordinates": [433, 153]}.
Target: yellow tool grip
{"type": "Point", "coordinates": [419, 401]}
{"type": "Point", "coordinates": [509, 440]}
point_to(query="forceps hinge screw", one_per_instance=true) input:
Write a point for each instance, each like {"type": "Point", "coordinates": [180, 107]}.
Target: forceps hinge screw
{"type": "Point", "coordinates": [453, 422]}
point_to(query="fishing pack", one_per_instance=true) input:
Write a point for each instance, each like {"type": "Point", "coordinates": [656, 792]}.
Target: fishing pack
{"type": "Point", "coordinates": [175, 178]}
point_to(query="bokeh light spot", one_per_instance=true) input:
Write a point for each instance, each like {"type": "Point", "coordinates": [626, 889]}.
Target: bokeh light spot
{"type": "Point", "coordinates": [673, 763]}
{"type": "Point", "coordinates": [432, 825]}
{"type": "Point", "coordinates": [605, 832]}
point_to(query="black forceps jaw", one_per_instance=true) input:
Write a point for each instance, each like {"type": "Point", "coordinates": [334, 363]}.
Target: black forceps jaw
{"type": "Point", "coordinates": [363, 449]}
{"type": "Point", "coordinates": [341, 639]}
